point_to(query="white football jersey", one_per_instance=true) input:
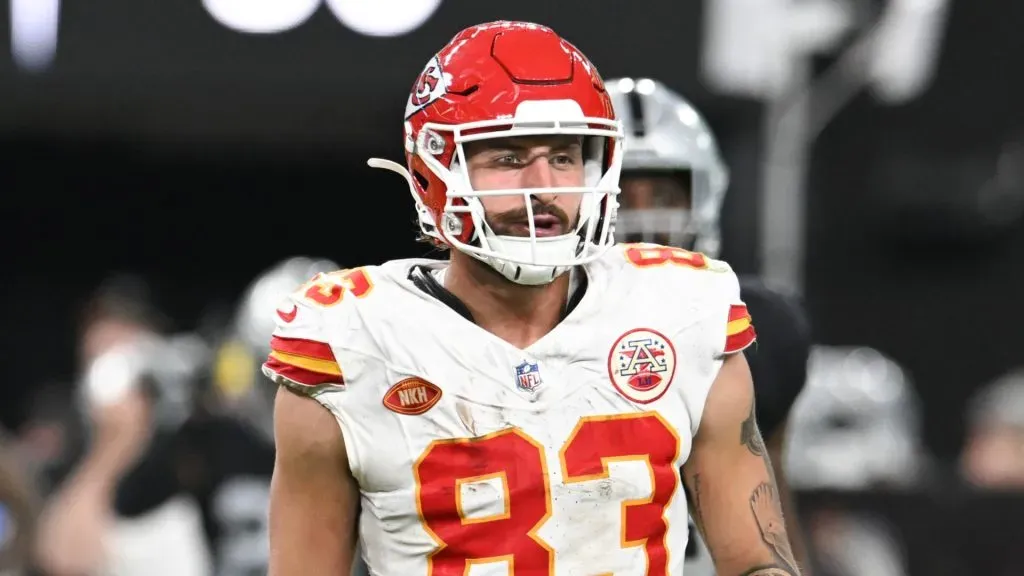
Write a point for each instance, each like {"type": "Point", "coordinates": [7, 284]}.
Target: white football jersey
{"type": "Point", "coordinates": [476, 457]}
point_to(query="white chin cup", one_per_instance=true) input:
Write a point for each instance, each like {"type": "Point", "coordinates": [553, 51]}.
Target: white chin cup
{"type": "Point", "coordinates": [546, 257]}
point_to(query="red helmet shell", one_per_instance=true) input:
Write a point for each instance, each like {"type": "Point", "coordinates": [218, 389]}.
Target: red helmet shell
{"type": "Point", "coordinates": [484, 73]}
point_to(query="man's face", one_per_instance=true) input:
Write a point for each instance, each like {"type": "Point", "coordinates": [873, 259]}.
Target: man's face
{"type": "Point", "coordinates": [645, 191]}
{"type": "Point", "coordinates": [104, 334]}
{"type": "Point", "coordinates": [646, 200]}
{"type": "Point", "coordinates": [528, 162]}
{"type": "Point", "coordinates": [994, 457]}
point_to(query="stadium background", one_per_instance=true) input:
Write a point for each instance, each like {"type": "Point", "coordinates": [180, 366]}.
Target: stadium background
{"type": "Point", "coordinates": [161, 142]}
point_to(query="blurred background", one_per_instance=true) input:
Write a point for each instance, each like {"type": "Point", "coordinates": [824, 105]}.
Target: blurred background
{"type": "Point", "coordinates": [158, 157]}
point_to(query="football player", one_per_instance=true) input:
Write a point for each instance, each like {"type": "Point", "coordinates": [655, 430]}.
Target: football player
{"type": "Point", "coordinates": [238, 395]}
{"type": "Point", "coordinates": [856, 428]}
{"type": "Point", "coordinates": [673, 184]}
{"type": "Point", "coordinates": [544, 401]}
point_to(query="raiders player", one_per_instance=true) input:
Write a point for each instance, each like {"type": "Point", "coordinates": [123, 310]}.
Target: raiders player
{"type": "Point", "coordinates": [673, 184]}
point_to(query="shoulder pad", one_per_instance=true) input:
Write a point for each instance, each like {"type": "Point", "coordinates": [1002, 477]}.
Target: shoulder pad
{"type": "Point", "coordinates": [301, 356]}
{"type": "Point", "coordinates": [715, 281]}
{"type": "Point", "coordinates": [657, 256]}
{"type": "Point", "coordinates": [739, 324]}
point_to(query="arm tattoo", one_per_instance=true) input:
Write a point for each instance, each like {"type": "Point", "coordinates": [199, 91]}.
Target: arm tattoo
{"type": "Point", "coordinates": [698, 514]}
{"type": "Point", "coordinates": [768, 514]}
{"type": "Point", "coordinates": [693, 497]}
{"type": "Point", "coordinates": [750, 436]}
{"type": "Point", "coordinates": [766, 504]}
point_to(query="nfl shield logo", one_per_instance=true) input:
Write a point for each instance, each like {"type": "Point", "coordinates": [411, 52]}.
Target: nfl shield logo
{"type": "Point", "coordinates": [528, 376]}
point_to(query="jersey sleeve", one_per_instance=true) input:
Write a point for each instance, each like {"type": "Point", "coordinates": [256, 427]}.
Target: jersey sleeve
{"type": "Point", "coordinates": [733, 317]}
{"type": "Point", "coordinates": [301, 358]}
{"type": "Point", "coordinates": [725, 329]}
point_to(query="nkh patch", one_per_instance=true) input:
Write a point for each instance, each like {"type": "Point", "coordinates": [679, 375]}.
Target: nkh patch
{"type": "Point", "coordinates": [641, 365]}
{"type": "Point", "coordinates": [412, 396]}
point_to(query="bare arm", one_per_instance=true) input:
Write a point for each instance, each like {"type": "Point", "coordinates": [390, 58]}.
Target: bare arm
{"type": "Point", "coordinates": [776, 445]}
{"type": "Point", "coordinates": [730, 482]}
{"type": "Point", "coordinates": [75, 522]}
{"type": "Point", "coordinates": [314, 501]}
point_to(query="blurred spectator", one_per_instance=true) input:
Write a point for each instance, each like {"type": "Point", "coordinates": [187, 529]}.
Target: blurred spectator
{"type": "Point", "coordinates": [993, 455]}
{"type": "Point", "coordinates": [175, 477]}
{"type": "Point", "coordinates": [51, 436]}
{"type": "Point", "coordinates": [239, 387]}
{"type": "Point", "coordinates": [241, 393]}
{"type": "Point", "coordinates": [132, 389]}
{"type": "Point", "coordinates": [17, 512]}
{"type": "Point", "coordinates": [856, 427]}
{"type": "Point", "coordinates": [856, 544]}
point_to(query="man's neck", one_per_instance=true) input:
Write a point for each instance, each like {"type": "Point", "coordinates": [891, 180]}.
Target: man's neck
{"type": "Point", "coordinates": [518, 314]}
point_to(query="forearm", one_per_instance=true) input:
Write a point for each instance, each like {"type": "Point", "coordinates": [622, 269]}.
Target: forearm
{"type": "Point", "coordinates": [745, 536]}
{"type": "Point", "coordinates": [793, 527]}
{"type": "Point", "coordinates": [73, 526]}
{"type": "Point", "coordinates": [732, 486]}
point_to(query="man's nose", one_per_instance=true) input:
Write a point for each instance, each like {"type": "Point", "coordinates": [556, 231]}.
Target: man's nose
{"type": "Point", "coordinates": [538, 174]}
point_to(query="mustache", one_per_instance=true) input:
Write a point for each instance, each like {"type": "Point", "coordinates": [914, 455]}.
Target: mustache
{"type": "Point", "coordinates": [521, 216]}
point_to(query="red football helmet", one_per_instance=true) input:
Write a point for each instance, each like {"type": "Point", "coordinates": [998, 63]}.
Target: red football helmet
{"type": "Point", "coordinates": [498, 80]}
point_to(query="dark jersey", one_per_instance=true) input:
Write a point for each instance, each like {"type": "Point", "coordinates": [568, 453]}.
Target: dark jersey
{"type": "Point", "coordinates": [778, 362]}
{"type": "Point", "coordinates": [226, 468]}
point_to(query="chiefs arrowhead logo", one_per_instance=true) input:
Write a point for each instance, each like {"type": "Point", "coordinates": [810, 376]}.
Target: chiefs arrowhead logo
{"type": "Point", "coordinates": [430, 85]}
{"type": "Point", "coordinates": [412, 396]}
{"type": "Point", "coordinates": [288, 316]}
{"type": "Point", "coordinates": [425, 85]}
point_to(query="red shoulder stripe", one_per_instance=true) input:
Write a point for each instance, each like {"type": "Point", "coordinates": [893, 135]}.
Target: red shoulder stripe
{"type": "Point", "coordinates": [738, 312]}
{"type": "Point", "coordinates": [741, 340]}
{"type": "Point", "coordinates": [299, 375]}
{"type": "Point", "coordinates": [302, 347]}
